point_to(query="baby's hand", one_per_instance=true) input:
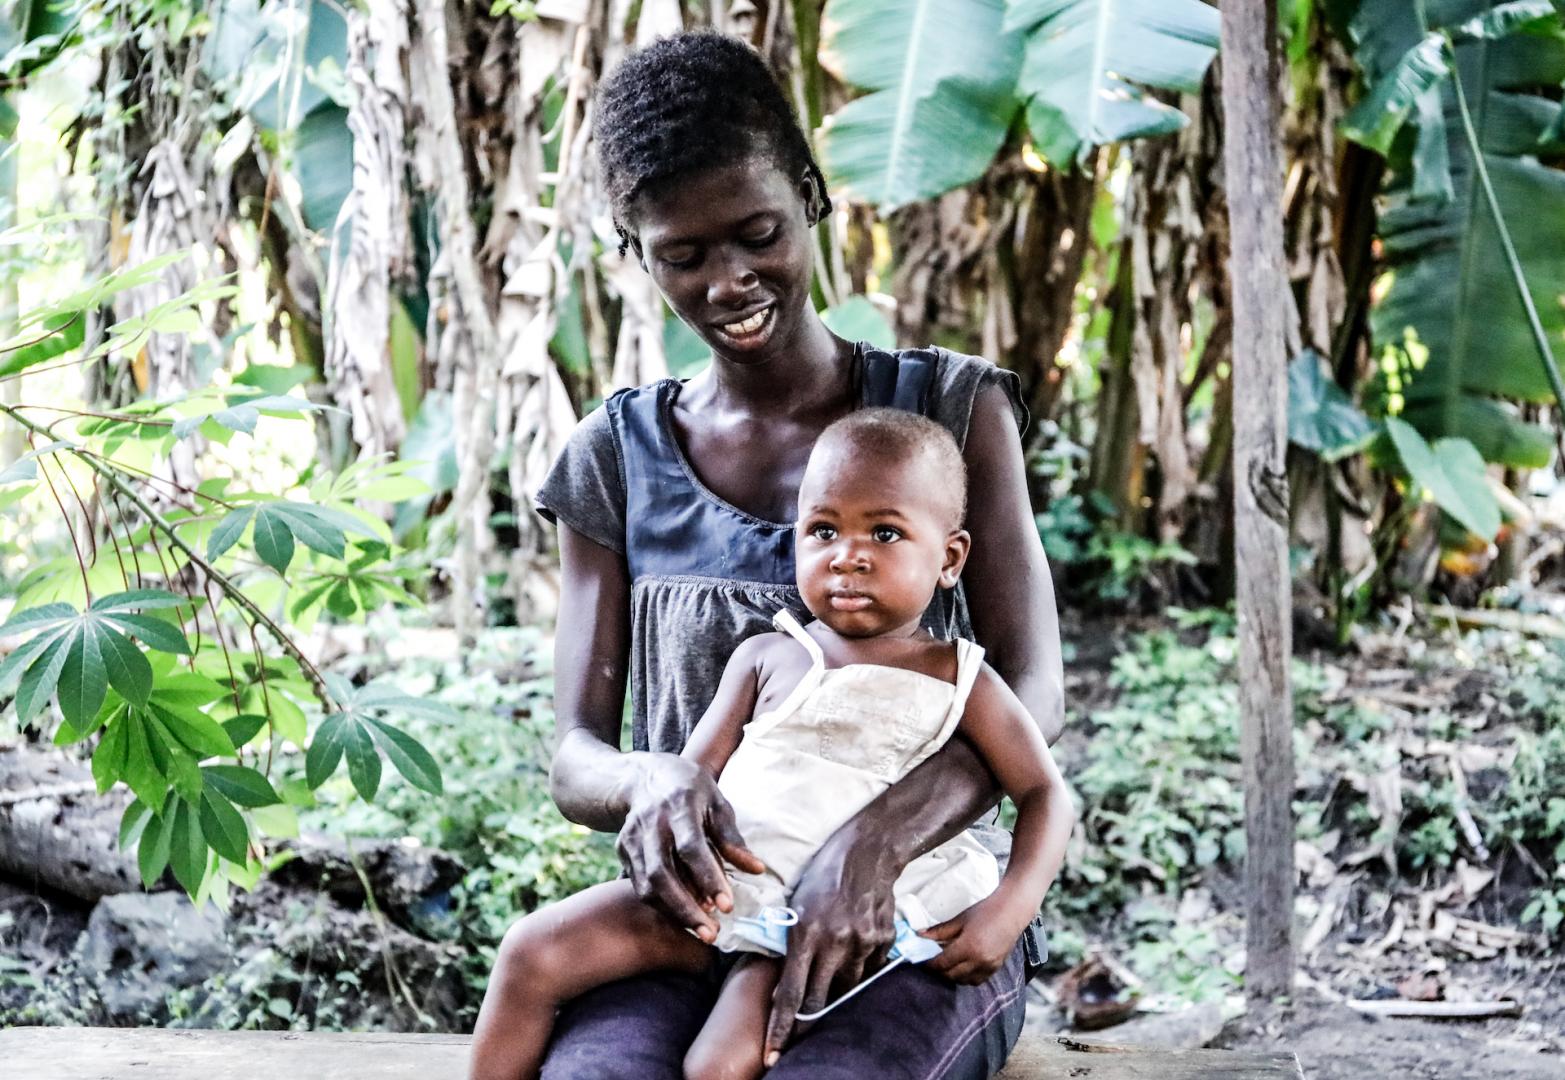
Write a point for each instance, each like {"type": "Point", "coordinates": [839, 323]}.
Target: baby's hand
{"type": "Point", "coordinates": [974, 944]}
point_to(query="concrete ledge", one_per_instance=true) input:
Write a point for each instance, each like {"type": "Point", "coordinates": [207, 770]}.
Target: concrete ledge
{"type": "Point", "coordinates": [161, 1054]}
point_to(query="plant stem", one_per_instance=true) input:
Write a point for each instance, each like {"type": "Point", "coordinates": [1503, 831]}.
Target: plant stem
{"type": "Point", "coordinates": [1539, 334]}
{"type": "Point", "coordinates": [106, 469]}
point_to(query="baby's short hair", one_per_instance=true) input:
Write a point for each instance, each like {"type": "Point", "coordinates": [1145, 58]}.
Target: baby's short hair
{"type": "Point", "coordinates": [901, 436]}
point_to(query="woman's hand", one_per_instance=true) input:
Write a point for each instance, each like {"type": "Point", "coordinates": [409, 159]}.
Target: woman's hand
{"type": "Point", "coordinates": [975, 944]}
{"type": "Point", "coordinates": [846, 916]}
{"type": "Point", "coordinates": [677, 823]}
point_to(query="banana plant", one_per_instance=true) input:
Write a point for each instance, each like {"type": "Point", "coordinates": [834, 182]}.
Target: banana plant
{"type": "Point", "coordinates": [947, 79]}
{"type": "Point", "coordinates": [1456, 101]}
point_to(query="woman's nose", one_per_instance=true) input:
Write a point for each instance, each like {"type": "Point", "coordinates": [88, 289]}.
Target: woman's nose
{"type": "Point", "coordinates": [733, 283]}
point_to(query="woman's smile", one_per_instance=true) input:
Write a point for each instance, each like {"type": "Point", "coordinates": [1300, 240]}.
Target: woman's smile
{"type": "Point", "coordinates": [751, 332]}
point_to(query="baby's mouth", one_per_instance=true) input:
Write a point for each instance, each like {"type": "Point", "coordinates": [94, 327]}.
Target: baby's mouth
{"type": "Point", "coordinates": [850, 601]}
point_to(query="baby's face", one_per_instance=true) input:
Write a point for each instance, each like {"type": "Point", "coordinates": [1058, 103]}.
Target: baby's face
{"type": "Point", "coordinates": [874, 540]}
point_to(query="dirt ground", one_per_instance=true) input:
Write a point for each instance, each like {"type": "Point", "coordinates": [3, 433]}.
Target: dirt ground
{"type": "Point", "coordinates": [1335, 1043]}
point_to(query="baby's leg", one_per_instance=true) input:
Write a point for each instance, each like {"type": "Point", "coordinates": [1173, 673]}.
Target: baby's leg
{"type": "Point", "coordinates": [552, 955]}
{"type": "Point", "coordinates": [730, 1044]}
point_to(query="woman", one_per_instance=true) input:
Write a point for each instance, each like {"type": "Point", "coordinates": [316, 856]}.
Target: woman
{"type": "Point", "coordinates": [674, 503]}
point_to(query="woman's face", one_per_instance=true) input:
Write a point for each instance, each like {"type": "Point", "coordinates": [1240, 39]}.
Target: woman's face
{"type": "Point", "coordinates": [729, 248]}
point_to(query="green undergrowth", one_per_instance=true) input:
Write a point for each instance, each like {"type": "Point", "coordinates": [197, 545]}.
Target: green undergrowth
{"type": "Point", "coordinates": [1157, 781]}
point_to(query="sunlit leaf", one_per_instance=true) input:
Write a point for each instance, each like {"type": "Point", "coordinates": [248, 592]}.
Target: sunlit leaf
{"type": "Point", "coordinates": [408, 755]}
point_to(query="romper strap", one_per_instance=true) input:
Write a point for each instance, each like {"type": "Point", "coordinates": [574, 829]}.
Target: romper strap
{"type": "Point", "coordinates": [789, 625]}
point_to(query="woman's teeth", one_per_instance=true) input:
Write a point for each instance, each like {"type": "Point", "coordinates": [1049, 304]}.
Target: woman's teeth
{"type": "Point", "coordinates": [749, 326]}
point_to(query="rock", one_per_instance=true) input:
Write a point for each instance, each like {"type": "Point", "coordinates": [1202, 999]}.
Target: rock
{"type": "Point", "coordinates": [140, 947]}
{"type": "Point", "coordinates": [56, 831]}
{"type": "Point", "coordinates": [411, 884]}
{"type": "Point", "coordinates": [320, 965]}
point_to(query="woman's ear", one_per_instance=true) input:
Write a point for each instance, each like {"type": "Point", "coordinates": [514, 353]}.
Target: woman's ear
{"type": "Point", "coordinates": [814, 198]}
{"type": "Point", "coordinates": [958, 544]}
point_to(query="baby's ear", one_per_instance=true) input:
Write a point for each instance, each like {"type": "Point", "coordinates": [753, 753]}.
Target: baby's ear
{"type": "Point", "coordinates": [958, 544]}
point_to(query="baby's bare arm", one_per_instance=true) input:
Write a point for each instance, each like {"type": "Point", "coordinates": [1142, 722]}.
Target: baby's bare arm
{"type": "Point", "coordinates": [1003, 732]}
{"type": "Point", "coordinates": [716, 735]}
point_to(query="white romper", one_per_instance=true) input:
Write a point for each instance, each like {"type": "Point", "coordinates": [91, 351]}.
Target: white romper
{"type": "Point", "coordinates": [840, 738]}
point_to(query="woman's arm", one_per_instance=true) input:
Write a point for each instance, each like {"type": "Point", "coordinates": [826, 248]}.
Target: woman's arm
{"type": "Point", "coordinates": [667, 810]}
{"type": "Point", "coordinates": [1010, 592]}
{"type": "Point", "coordinates": [844, 896]}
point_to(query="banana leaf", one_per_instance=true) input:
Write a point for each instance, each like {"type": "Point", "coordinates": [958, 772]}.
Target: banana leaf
{"type": "Point", "coordinates": [1086, 61]}
{"type": "Point", "coordinates": [1450, 286]}
{"type": "Point", "coordinates": [942, 79]}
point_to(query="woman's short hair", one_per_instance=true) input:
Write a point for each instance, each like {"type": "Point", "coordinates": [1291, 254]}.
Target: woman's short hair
{"type": "Point", "coordinates": [688, 102]}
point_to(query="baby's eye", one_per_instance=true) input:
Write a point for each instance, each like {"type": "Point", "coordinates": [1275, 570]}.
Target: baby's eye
{"type": "Point", "coordinates": [823, 532]}
{"type": "Point", "coordinates": [885, 534]}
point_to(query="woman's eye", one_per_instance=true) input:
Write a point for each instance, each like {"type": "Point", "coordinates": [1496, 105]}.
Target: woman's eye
{"type": "Point", "coordinates": [763, 240]}
{"type": "Point", "coordinates": [885, 534]}
{"type": "Point", "coordinates": [823, 532]}
{"type": "Point", "coordinates": [680, 259]}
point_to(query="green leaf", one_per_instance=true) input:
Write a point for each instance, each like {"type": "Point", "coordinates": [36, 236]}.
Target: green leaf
{"type": "Point", "coordinates": [22, 655]}
{"type": "Point", "coordinates": [1431, 150]}
{"type": "Point", "coordinates": [187, 847]}
{"type": "Point", "coordinates": [1321, 417]}
{"type": "Point", "coordinates": [59, 335]}
{"type": "Point", "coordinates": [244, 727]}
{"type": "Point", "coordinates": [287, 718]}
{"type": "Point", "coordinates": [326, 749]}
{"type": "Point", "coordinates": [37, 618]}
{"type": "Point", "coordinates": [363, 760]}
{"type": "Point", "coordinates": [1503, 20]}
{"type": "Point", "coordinates": [204, 736]}
{"type": "Point", "coordinates": [141, 773]}
{"type": "Point", "coordinates": [133, 822]}
{"type": "Point", "coordinates": [1452, 473]}
{"type": "Point", "coordinates": [857, 319]}
{"type": "Point", "coordinates": [223, 827]}
{"type": "Point", "coordinates": [1376, 119]}
{"type": "Point", "coordinates": [240, 784]}
{"type": "Point", "coordinates": [139, 598]}
{"type": "Point", "coordinates": [385, 697]}
{"type": "Point", "coordinates": [187, 690]}
{"type": "Point", "coordinates": [42, 677]}
{"type": "Point", "coordinates": [1450, 287]}
{"type": "Point", "coordinates": [154, 632]}
{"type": "Point", "coordinates": [309, 528]}
{"type": "Point", "coordinates": [408, 755]}
{"type": "Point", "coordinates": [19, 470]}
{"type": "Point", "coordinates": [108, 761]}
{"type": "Point", "coordinates": [228, 531]}
{"type": "Point", "coordinates": [273, 540]}
{"type": "Point", "coordinates": [942, 77]}
{"type": "Point", "coordinates": [1086, 61]}
{"type": "Point", "coordinates": [340, 601]}
{"type": "Point", "coordinates": [152, 853]}
{"type": "Point", "coordinates": [127, 667]}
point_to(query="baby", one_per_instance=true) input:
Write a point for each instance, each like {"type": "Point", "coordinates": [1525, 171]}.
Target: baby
{"type": "Point", "coordinates": [808, 725]}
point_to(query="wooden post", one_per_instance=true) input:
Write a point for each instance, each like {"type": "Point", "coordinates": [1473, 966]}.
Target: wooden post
{"type": "Point", "coordinates": [1252, 165]}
